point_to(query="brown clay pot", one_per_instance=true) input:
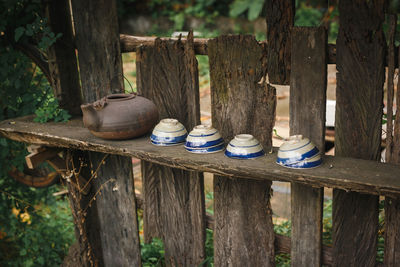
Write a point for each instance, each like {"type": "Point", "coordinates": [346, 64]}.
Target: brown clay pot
{"type": "Point", "coordinates": [120, 116]}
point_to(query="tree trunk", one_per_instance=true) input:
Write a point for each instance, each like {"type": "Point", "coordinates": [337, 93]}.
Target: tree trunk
{"type": "Point", "coordinates": [62, 61]}
{"type": "Point", "coordinates": [280, 20]}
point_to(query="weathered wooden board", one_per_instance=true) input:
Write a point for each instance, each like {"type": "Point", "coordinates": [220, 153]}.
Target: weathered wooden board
{"type": "Point", "coordinates": [280, 20]}
{"type": "Point", "coordinates": [349, 174]}
{"type": "Point", "coordinates": [243, 229]}
{"type": "Point", "coordinates": [116, 210]}
{"type": "Point", "coordinates": [174, 199]}
{"type": "Point", "coordinates": [392, 205]}
{"type": "Point", "coordinates": [95, 38]}
{"type": "Point", "coordinates": [130, 43]}
{"type": "Point", "coordinates": [62, 60]}
{"type": "Point", "coordinates": [359, 97]}
{"type": "Point", "coordinates": [115, 240]}
{"type": "Point", "coordinates": [307, 117]}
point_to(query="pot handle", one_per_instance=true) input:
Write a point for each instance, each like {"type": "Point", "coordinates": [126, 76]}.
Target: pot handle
{"type": "Point", "coordinates": [100, 104]}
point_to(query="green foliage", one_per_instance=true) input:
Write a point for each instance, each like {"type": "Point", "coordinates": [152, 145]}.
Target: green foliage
{"type": "Point", "coordinates": [35, 228]}
{"type": "Point", "coordinates": [39, 29]}
{"type": "Point", "coordinates": [153, 253]}
{"type": "Point", "coordinates": [308, 16]}
{"type": "Point", "coordinates": [209, 261]}
{"type": "Point", "coordinates": [51, 111]}
{"type": "Point", "coordinates": [40, 233]}
{"type": "Point", "coordinates": [253, 8]}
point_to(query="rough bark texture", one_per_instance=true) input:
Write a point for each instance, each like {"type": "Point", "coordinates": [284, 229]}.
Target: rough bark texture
{"type": "Point", "coordinates": [129, 43]}
{"type": "Point", "coordinates": [392, 235]}
{"type": "Point", "coordinates": [174, 198]}
{"type": "Point", "coordinates": [359, 98]}
{"type": "Point", "coordinates": [280, 19]}
{"type": "Point", "coordinates": [392, 204]}
{"type": "Point", "coordinates": [116, 210]}
{"type": "Point", "coordinates": [390, 87]}
{"type": "Point", "coordinates": [243, 230]}
{"type": "Point", "coordinates": [395, 157]}
{"type": "Point", "coordinates": [307, 117]}
{"type": "Point", "coordinates": [282, 243]}
{"type": "Point", "coordinates": [115, 242]}
{"type": "Point", "coordinates": [97, 40]}
{"type": "Point", "coordinates": [84, 217]}
{"type": "Point", "coordinates": [63, 65]}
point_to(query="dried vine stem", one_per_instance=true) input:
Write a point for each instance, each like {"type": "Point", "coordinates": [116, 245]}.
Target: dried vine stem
{"type": "Point", "coordinates": [78, 214]}
{"type": "Point", "coordinates": [94, 174]}
{"type": "Point", "coordinates": [98, 192]}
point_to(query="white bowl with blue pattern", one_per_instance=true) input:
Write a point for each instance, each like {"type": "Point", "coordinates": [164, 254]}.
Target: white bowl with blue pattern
{"type": "Point", "coordinates": [244, 146]}
{"type": "Point", "coordinates": [299, 152]}
{"type": "Point", "coordinates": [168, 132]}
{"type": "Point", "coordinates": [204, 139]}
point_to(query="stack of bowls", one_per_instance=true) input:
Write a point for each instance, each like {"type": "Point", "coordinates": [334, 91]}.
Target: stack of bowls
{"type": "Point", "coordinates": [204, 139]}
{"type": "Point", "coordinates": [244, 146]}
{"type": "Point", "coordinates": [168, 132]}
{"type": "Point", "coordinates": [299, 153]}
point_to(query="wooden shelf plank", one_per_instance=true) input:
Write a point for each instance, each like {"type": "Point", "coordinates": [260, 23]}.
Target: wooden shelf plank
{"type": "Point", "coordinates": [345, 173]}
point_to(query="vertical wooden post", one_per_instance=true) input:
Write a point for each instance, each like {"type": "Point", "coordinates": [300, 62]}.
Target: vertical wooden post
{"type": "Point", "coordinates": [359, 98]}
{"type": "Point", "coordinates": [114, 239]}
{"type": "Point", "coordinates": [243, 230]}
{"type": "Point", "coordinates": [307, 117]}
{"type": "Point", "coordinates": [62, 59]}
{"type": "Point", "coordinates": [174, 199]}
{"type": "Point", "coordinates": [280, 19]}
{"type": "Point", "coordinates": [392, 204]}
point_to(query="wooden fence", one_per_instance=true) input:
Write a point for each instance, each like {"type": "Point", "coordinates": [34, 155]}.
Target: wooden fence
{"type": "Point", "coordinates": [242, 102]}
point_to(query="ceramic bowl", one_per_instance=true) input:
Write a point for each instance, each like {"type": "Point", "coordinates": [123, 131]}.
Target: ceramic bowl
{"type": "Point", "coordinates": [168, 132]}
{"type": "Point", "coordinates": [299, 152]}
{"type": "Point", "coordinates": [244, 146]}
{"type": "Point", "coordinates": [204, 139]}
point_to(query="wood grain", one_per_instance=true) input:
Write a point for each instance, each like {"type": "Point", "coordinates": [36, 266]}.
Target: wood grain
{"type": "Point", "coordinates": [390, 87]}
{"type": "Point", "coordinates": [280, 20]}
{"type": "Point", "coordinates": [62, 61]}
{"type": "Point", "coordinates": [359, 98]}
{"type": "Point", "coordinates": [282, 243]}
{"type": "Point", "coordinates": [130, 43]}
{"type": "Point", "coordinates": [243, 230]}
{"type": "Point", "coordinates": [174, 198]}
{"type": "Point", "coordinates": [350, 174]}
{"type": "Point", "coordinates": [98, 51]}
{"type": "Point", "coordinates": [392, 204]}
{"type": "Point", "coordinates": [114, 239]}
{"type": "Point", "coordinates": [307, 117]}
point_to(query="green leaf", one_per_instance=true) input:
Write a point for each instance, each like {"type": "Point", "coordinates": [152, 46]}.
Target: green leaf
{"type": "Point", "coordinates": [238, 7]}
{"type": "Point", "coordinates": [18, 33]}
{"type": "Point", "coordinates": [23, 252]}
{"type": "Point", "coordinates": [255, 9]}
{"type": "Point", "coordinates": [40, 260]}
{"type": "Point", "coordinates": [3, 142]}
